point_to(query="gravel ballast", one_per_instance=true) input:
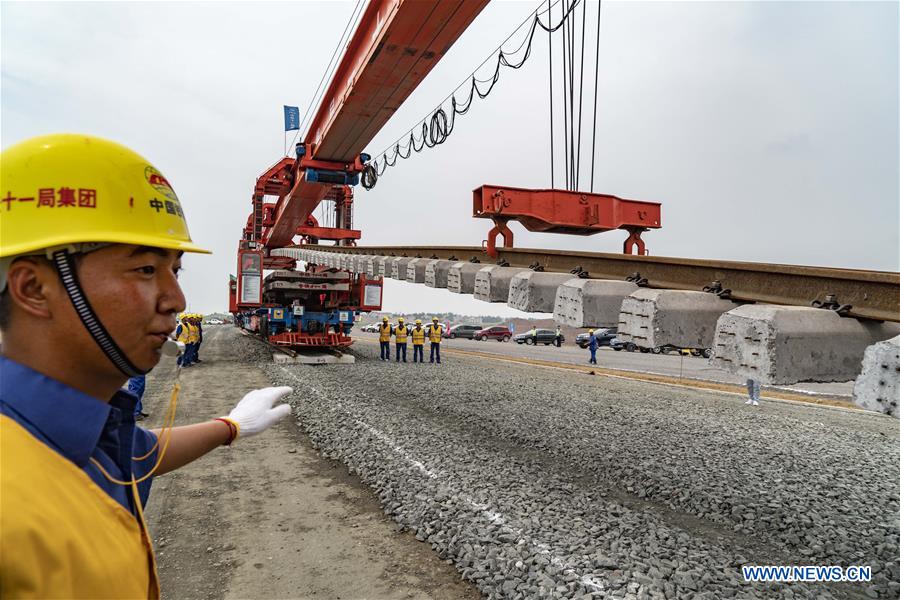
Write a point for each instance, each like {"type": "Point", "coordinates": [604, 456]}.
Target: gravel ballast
{"type": "Point", "coordinates": [545, 483]}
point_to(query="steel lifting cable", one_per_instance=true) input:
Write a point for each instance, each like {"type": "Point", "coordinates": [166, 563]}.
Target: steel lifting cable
{"type": "Point", "coordinates": [567, 151]}
{"type": "Point", "coordinates": [437, 127]}
{"type": "Point", "coordinates": [550, 62]}
{"type": "Point", "coordinates": [573, 113]}
{"type": "Point", "coordinates": [596, 80]}
{"type": "Point", "coordinates": [580, 94]}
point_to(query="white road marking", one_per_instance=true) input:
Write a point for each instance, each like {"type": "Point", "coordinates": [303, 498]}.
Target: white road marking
{"type": "Point", "coordinates": [588, 581]}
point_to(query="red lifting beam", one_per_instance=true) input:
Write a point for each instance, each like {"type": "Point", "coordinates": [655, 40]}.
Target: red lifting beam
{"type": "Point", "coordinates": [396, 45]}
{"type": "Point", "coordinates": [562, 211]}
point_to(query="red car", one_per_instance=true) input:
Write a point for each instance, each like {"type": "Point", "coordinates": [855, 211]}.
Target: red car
{"type": "Point", "coordinates": [501, 333]}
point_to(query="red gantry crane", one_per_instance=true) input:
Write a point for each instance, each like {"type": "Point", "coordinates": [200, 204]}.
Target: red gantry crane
{"type": "Point", "coordinates": [394, 47]}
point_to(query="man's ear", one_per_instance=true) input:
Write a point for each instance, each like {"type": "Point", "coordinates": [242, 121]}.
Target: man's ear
{"type": "Point", "coordinates": [32, 284]}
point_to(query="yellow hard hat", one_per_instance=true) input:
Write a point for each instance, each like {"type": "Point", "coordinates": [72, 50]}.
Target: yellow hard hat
{"type": "Point", "coordinates": [384, 319]}
{"type": "Point", "coordinates": [590, 331]}
{"type": "Point", "coordinates": [400, 319]}
{"type": "Point", "coordinates": [418, 321]}
{"type": "Point", "coordinates": [434, 318]}
{"type": "Point", "coordinates": [66, 189]}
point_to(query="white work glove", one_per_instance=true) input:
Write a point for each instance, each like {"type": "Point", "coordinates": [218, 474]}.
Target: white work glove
{"type": "Point", "coordinates": [254, 413]}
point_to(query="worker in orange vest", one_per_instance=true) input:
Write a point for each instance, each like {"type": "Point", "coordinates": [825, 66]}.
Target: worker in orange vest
{"type": "Point", "coordinates": [384, 338]}
{"type": "Point", "coordinates": [418, 342]}
{"type": "Point", "coordinates": [401, 333]}
{"type": "Point", "coordinates": [435, 336]}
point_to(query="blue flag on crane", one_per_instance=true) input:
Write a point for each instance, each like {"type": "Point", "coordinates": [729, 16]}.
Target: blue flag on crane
{"type": "Point", "coordinates": [291, 118]}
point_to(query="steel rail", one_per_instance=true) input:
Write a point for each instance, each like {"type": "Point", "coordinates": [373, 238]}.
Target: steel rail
{"type": "Point", "coordinates": [871, 294]}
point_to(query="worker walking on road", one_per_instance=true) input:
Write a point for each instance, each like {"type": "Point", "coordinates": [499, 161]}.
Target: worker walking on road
{"type": "Point", "coordinates": [401, 332]}
{"type": "Point", "coordinates": [558, 338]}
{"type": "Point", "coordinates": [88, 297]}
{"type": "Point", "coordinates": [533, 334]}
{"type": "Point", "coordinates": [752, 392]}
{"type": "Point", "coordinates": [435, 336]}
{"type": "Point", "coordinates": [384, 338]}
{"type": "Point", "coordinates": [418, 342]}
{"type": "Point", "coordinates": [592, 346]}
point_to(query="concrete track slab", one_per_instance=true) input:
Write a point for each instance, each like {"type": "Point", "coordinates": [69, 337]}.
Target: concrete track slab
{"type": "Point", "coordinates": [415, 270]}
{"type": "Point", "coordinates": [384, 266]}
{"type": "Point", "coordinates": [398, 268]}
{"type": "Point", "coordinates": [461, 277]}
{"type": "Point", "coordinates": [492, 282]}
{"type": "Point", "coordinates": [374, 265]}
{"type": "Point", "coordinates": [361, 264]}
{"type": "Point", "coordinates": [533, 291]}
{"type": "Point", "coordinates": [313, 358]}
{"type": "Point", "coordinates": [655, 318]}
{"type": "Point", "coordinates": [436, 272]}
{"type": "Point", "coordinates": [390, 266]}
{"type": "Point", "coordinates": [878, 385]}
{"type": "Point", "coordinates": [787, 344]}
{"type": "Point", "coordinates": [591, 302]}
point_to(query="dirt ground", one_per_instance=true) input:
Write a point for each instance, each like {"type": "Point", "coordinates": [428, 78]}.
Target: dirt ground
{"type": "Point", "coordinates": [269, 517]}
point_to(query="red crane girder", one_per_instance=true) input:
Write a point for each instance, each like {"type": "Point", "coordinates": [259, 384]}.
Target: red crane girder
{"type": "Point", "coordinates": [395, 46]}
{"type": "Point", "coordinates": [562, 211]}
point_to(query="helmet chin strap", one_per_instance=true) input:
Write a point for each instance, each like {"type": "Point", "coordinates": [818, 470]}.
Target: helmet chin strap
{"type": "Point", "coordinates": [65, 266]}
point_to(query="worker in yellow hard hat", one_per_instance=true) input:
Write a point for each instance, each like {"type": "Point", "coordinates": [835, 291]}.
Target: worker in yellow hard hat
{"type": "Point", "coordinates": [384, 338]}
{"type": "Point", "coordinates": [401, 333]}
{"type": "Point", "coordinates": [418, 342]}
{"type": "Point", "coordinates": [435, 334]}
{"type": "Point", "coordinates": [184, 334]}
{"type": "Point", "coordinates": [91, 239]}
{"type": "Point", "coordinates": [592, 346]}
{"type": "Point", "coordinates": [195, 336]}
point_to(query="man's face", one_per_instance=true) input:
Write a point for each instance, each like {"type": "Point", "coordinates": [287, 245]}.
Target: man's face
{"type": "Point", "coordinates": [134, 291]}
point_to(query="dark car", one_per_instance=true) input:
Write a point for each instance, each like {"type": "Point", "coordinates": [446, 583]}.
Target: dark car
{"type": "Point", "coordinates": [462, 331]}
{"type": "Point", "coordinates": [501, 333]}
{"type": "Point", "coordinates": [541, 336]}
{"type": "Point", "coordinates": [617, 344]}
{"type": "Point", "coordinates": [604, 337]}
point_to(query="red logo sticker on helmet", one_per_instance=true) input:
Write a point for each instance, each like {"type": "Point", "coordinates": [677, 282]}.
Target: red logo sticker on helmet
{"type": "Point", "coordinates": [159, 183]}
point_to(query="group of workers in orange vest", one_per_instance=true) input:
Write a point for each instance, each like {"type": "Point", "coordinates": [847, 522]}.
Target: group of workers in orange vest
{"type": "Point", "coordinates": [402, 332]}
{"type": "Point", "coordinates": [190, 333]}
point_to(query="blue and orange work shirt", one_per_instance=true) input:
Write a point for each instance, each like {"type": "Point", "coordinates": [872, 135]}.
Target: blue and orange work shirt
{"type": "Point", "coordinates": [75, 533]}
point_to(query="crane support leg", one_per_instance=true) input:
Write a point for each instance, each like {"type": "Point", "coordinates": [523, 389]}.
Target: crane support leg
{"type": "Point", "coordinates": [634, 241]}
{"type": "Point", "coordinates": [502, 229]}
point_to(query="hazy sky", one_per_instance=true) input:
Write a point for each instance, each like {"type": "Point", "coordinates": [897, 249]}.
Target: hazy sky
{"type": "Point", "coordinates": [768, 130]}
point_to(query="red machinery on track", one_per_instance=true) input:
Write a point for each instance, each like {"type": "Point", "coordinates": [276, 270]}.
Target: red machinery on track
{"type": "Point", "coordinates": [394, 47]}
